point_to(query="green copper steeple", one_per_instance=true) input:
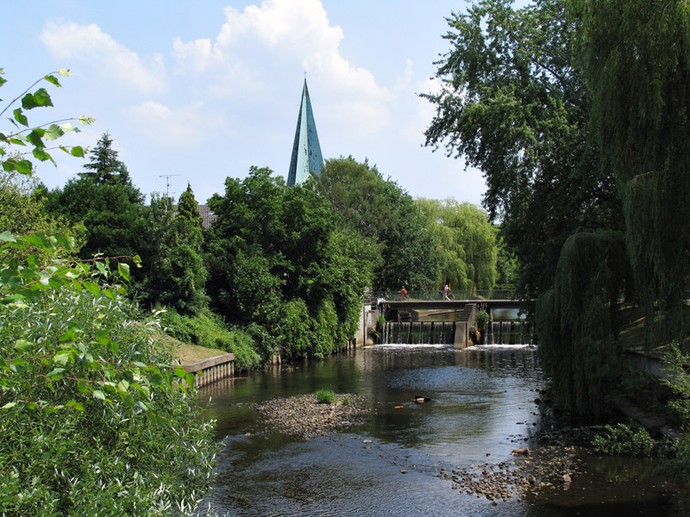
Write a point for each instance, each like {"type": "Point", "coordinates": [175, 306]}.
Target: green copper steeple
{"type": "Point", "coordinates": [306, 151]}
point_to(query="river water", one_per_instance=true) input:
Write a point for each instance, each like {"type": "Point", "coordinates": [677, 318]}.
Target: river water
{"type": "Point", "coordinates": [400, 460]}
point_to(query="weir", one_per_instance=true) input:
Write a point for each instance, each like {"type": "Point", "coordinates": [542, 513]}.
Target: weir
{"type": "Point", "coordinates": [452, 322]}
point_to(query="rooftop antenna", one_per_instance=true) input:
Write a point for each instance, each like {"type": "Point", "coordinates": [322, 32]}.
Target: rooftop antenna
{"type": "Point", "coordinates": [167, 182]}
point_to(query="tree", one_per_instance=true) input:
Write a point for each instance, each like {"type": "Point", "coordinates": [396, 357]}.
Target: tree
{"type": "Point", "coordinates": [106, 169]}
{"type": "Point", "coordinates": [636, 60]}
{"type": "Point", "coordinates": [514, 105]}
{"type": "Point", "coordinates": [279, 267]}
{"type": "Point", "coordinates": [466, 243]}
{"type": "Point", "coordinates": [172, 255]}
{"type": "Point", "coordinates": [114, 224]}
{"type": "Point", "coordinates": [386, 217]}
{"type": "Point", "coordinates": [106, 202]}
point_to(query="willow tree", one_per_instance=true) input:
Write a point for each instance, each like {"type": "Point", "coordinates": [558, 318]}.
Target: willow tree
{"type": "Point", "coordinates": [512, 104]}
{"type": "Point", "coordinates": [466, 242]}
{"type": "Point", "coordinates": [577, 321]}
{"type": "Point", "coordinates": [636, 54]}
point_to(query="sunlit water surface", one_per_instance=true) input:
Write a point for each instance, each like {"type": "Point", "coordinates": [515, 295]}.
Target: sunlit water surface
{"type": "Point", "coordinates": [482, 407]}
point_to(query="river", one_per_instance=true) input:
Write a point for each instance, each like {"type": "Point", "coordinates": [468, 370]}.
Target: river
{"type": "Point", "coordinates": [407, 459]}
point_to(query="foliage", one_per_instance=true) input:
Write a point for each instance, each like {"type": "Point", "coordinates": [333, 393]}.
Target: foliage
{"type": "Point", "coordinates": [679, 464]}
{"type": "Point", "coordinates": [507, 265]}
{"type": "Point", "coordinates": [174, 273]}
{"type": "Point", "coordinates": [105, 168]}
{"type": "Point", "coordinates": [385, 217]}
{"type": "Point", "coordinates": [678, 381]}
{"type": "Point", "coordinates": [622, 440]}
{"type": "Point", "coordinates": [207, 329]}
{"type": "Point", "coordinates": [466, 243]}
{"type": "Point", "coordinates": [280, 269]}
{"type": "Point", "coordinates": [324, 396]}
{"type": "Point", "coordinates": [513, 104]}
{"type": "Point", "coordinates": [577, 325]}
{"type": "Point", "coordinates": [114, 225]}
{"type": "Point", "coordinates": [23, 135]}
{"type": "Point", "coordinates": [636, 57]}
{"type": "Point", "coordinates": [93, 419]}
{"type": "Point", "coordinates": [482, 321]}
{"type": "Point", "coordinates": [22, 209]}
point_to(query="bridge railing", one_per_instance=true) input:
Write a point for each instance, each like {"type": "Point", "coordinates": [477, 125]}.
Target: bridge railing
{"type": "Point", "coordinates": [429, 294]}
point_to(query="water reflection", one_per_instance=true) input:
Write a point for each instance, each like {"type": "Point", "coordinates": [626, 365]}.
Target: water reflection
{"type": "Point", "coordinates": [481, 407]}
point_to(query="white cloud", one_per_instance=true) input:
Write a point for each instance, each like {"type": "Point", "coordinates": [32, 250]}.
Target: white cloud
{"type": "Point", "coordinates": [89, 45]}
{"type": "Point", "coordinates": [258, 47]}
{"type": "Point", "coordinates": [186, 127]}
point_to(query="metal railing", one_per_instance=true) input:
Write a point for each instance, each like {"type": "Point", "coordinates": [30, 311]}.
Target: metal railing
{"type": "Point", "coordinates": [431, 295]}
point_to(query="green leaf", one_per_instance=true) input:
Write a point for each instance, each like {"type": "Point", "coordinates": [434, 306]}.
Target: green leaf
{"type": "Point", "coordinates": [55, 374]}
{"type": "Point", "coordinates": [53, 132]}
{"type": "Point", "coordinates": [77, 151]}
{"type": "Point", "coordinates": [53, 80]}
{"type": "Point", "coordinates": [123, 269]}
{"type": "Point", "coordinates": [180, 372]}
{"type": "Point", "coordinates": [103, 336]}
{"type": "Point", "coordinates": [16, 297]}
{"type": "Point", "coordinates": [69, 336]}
{"type": "Point", "coordinates": [7, 237]}
{"type": "Point", "coordinates": [22, 345]}
{"type": "Point", "coordinates": [40, 98]}
{"type": "Point", "coordinates": [101, 268]}
{"type": "Point", "coordinates": [40, 154]}
{"type": "Point", "coordinates": [98, 394]}
{"type": "Point", "coordinates": [9, 405]}
{"type": "Point", "coordinates": [123, 386]}
{"type": "Point", "coordinates": [20, 117]}
{"type": "Point", "coordinates": [35, 137]}
{"type": "Point", "coordinates": [62, 358]}
{"type": "Point", "coordinates": [92, 288]}
{"type": "Point", "coordinates": [75, 405]}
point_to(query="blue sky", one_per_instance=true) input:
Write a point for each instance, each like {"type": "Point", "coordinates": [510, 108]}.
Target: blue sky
{"type": "Point", "coordinates": [202, 90]}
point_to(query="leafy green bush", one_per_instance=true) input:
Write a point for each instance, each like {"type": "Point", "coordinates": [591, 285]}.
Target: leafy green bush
{"type": "Point", "coordinates": [324, 396]}
{"type": "Point", "coordinates": [621, 439]}
{"type": "Point", "coordinates": [678, 382]}
{"type": "Point", "coordinates": [94, 421]}
{"type": "Point", "coordinates": [208, 329]}
{"type": "Point", "coordinates": [482, 321]}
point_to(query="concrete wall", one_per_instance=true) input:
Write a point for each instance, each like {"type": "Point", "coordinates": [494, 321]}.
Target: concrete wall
{"type": "Point", "coordinates": [367, 325]}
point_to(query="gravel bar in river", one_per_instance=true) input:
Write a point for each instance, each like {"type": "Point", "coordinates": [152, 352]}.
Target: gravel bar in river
{"type": "Point", "coordinates": [304, 416]}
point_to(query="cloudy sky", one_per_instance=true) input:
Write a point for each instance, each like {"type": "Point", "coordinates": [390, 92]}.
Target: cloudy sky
{"type": "Point", "coordinates": [202, 90]}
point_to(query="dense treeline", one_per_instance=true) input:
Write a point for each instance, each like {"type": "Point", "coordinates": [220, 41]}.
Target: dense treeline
{"type": "Point", "coordinates": [280, 271]}
{"type": "Point", "coordinates": [578, 113]}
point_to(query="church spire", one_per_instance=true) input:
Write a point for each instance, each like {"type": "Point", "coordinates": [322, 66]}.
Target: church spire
{"type": "Point", "coordinates": [306, 151]}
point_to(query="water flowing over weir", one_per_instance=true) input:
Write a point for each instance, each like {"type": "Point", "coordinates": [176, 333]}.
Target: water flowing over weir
{"type": "Point", "coordinates": [504, 332]}
{"type": "Point", "coordinates": [419, 332]}
{"type": "Point", "coordinates": [510, 333]}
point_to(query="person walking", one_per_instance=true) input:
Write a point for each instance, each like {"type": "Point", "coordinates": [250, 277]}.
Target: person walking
{"type": "Point", "coordinates": [446, 292]}
{"type": "Point", "coordinates": [403, 293]}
